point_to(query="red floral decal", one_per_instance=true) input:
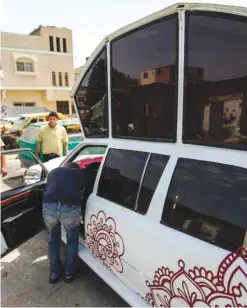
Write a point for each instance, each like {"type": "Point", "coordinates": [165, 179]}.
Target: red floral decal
{"type": "Point", "coordinates": [104, 242]}
{"type": "Point", "coordinates": [201, 288]}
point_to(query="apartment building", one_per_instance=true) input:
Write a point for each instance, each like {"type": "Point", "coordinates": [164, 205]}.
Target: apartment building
{"type": "Point", "coordinates": [77, 72]}
{"type": "Point", "coordinates": [37, 69]}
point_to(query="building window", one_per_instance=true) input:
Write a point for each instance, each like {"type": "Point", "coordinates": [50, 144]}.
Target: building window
{"type": "Point", "coordinates": [145, 75]}
{"type": "Point", "coordinates": [54, 83]}
{"type": "Point", "coordinates": [24, 66]}
{"type": "Point", "coordinates": [63, 107]}
{"type": "Point", "coordinates": [24, 104]}
{"type": "Point", "coordinates": [93, 88]}
{"type": "Point", "coordinates": [51, 43]}
{"type": "Point", "coordinates": [60, 79]}
{"type": "Point", "coordinates": [58, 44]}
{"type": "Point", "coordinates": [64, 45]}
{"type": "Point", "coordinates": [66, 79]}
{"type": "Point", "coordinates": [145, 107]}
{"type": "Point", "coordinates": [216, 76]}
{"type": "Point", "coordinates": [208, 201]}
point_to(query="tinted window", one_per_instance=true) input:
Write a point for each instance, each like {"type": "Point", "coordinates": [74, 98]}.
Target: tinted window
{"type": "Point", "coordinates": [91, 99]}
{"type": "Point", "coordinates": [154, 170]}
{"type": "Point", "coordinates": [121, 176]}
{"type": "Point", "coordinates": [144, 82]}
{"type": "Point", "coordinates": [208, 201]}
{"type": "Point", "coordinates": [216, 93]}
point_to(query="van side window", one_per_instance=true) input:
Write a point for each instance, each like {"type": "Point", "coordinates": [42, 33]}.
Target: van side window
{"type": "Point", "coordinates": [216, 76]}
{"type": "Point", "coordinates": [129, 178]}
{"type": "Point", "coordinates": [121, 176]}
{"type": "Point", "coordinates": [208, 201]}
{"type": "Point", "coordinates": [144, 82]}
{"type": "Point", "coordinates": [91, 98]}
{"type": "Point", "coordinates": [153, 172]}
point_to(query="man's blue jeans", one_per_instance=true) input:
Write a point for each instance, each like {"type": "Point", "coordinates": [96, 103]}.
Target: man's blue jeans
{"type": "Point", "coordinates": [55, 215]}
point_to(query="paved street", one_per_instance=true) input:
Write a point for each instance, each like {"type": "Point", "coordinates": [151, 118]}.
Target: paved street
{"type": "Point", "coordinates": [25, 281]}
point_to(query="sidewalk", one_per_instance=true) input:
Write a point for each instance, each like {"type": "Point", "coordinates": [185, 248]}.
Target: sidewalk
{"type": "Point", "coordinates": [25, 281]}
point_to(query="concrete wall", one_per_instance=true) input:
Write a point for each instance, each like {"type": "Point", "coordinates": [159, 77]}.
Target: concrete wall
{"type": "Point", "coordinates": [36, 86]}
{"type": "Point", "coordinates": [44, 65]}
{"type": "Point", "coordinates": [37, 42]}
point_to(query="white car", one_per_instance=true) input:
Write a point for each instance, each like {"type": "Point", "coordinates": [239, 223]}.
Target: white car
{"type": "Point", "coordinates": [33, 174]}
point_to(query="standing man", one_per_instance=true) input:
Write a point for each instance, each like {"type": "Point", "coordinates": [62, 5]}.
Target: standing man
{"type": "Point", "coordinates": [3, 159]}
{"type": "Point", "coordinates": [54, 139]}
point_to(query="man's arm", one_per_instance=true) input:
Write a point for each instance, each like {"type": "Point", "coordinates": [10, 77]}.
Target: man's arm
{"type": "Point", "coordinates": [3, 163]}
{"type": "Point", "coordinates": [65, 146]}
{"type": "Point", "coordinates": [38, 148]}
{"type": "Point", "coordinates": [65, 142]}
{"type": "Point", "coordinates": [40, 139]}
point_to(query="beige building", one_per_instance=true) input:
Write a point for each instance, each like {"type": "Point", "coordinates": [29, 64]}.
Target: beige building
{"type": "Point", "coordinates": [37, 69]}
{"type": "Point", "coordinates": [158, 75]}
{"type": "Point", "coordinates": [77, 72]}
{"type": "Point", "coordinates": [167, 75]}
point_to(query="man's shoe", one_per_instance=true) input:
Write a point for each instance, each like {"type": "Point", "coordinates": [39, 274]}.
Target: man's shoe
{"type": "Point", "coordinates": [69, 278]}
{"type": "Point", "coordinates": [54, 280]}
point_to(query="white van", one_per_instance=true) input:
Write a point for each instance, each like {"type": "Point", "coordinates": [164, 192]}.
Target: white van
{"type": "Point", "coordinates": [165, 224]}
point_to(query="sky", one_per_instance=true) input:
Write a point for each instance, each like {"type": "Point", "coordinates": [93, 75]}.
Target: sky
{"type": "Point", "coordinates": [90, 20]}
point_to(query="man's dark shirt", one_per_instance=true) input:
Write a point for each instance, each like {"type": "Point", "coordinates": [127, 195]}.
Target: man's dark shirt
{"type": "Point", "coordinates": [65, 185]}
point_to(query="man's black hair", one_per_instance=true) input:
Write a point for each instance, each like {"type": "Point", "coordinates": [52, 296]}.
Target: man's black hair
{"type": "Point", "coordinates": [72, 165]}
{"type": "Point", "coordinates": [53, 114]}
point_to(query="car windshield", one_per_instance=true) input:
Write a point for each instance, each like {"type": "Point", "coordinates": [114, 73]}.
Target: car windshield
{"type": "Point", "coordinates": [18, 124]}
{"type": "Point", "coordinates": [93, 150]}
{"type": "Point", "coordinates": [30, 134]}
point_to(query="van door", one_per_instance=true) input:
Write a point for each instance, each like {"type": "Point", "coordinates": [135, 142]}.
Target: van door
{"type": "Point", "coordinates": [21, 199]}
{"type": "Point", "coordinates": [119, 209]}
{"type": "Point", "coordinates": [201, 257]}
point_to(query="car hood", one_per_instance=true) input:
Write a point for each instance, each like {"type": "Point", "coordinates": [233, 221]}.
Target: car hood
{"type": "Point", "coordinates": [56, 162]}
{"type": "Point", "coordinates": [50, 165]}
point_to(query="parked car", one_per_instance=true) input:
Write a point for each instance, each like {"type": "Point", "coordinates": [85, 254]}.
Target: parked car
{"type": "Point", "coordinates": [29, 138]}
{"type": "Point", "coordinates": [89, 155]}
{"type": "Point", "coordinates": [165, 224]}
{"type": "Point", "coordinates": [6, 124]}
{"type": "Point", "coordinates": [25, 120]}
{"type": "Point", "coordinates": [33, 173]}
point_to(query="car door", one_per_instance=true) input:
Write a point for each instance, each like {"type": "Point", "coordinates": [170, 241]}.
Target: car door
{"type": "Point", "coordinates": [21, 203]}
{"type": "Point", "coordinates": [119, 207]}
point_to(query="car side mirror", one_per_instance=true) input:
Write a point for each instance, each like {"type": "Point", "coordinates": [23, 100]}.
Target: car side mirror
{"type": "Point", "coordinates": [32, 176]}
